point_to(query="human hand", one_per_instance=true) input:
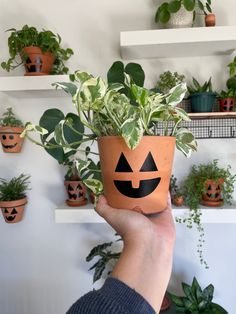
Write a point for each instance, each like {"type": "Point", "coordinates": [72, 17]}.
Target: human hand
{"type": "Point", "coordinates": [133, 226]}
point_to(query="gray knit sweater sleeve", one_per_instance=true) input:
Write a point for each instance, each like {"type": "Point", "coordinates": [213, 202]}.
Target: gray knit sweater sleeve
{"type": "Point", "coordinates": [115, 297]}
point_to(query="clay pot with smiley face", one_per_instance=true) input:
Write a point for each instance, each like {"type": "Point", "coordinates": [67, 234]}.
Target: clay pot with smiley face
{"type": "Point", "coordinates": [10, 139]}
{"type": "Point", "coordinates": [13, 210]}
{"type": "Point", "coordinates": [213, 195]}
{"type": "Point", "coordinates": [38, 62]}
{"type": "Point", "coordinates": [76, 192]}
{"type": "Point", "coordinates": [137, 179]}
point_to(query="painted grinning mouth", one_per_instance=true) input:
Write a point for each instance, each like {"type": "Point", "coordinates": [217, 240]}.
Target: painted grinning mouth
{"type": "Point", "coordinates": [9, 146]}
{"type": "Point", "coordinates": [145, 188]}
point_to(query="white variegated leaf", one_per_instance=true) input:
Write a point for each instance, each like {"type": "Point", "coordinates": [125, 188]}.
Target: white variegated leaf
{"type": "Point", "coordinates": [176, 94]}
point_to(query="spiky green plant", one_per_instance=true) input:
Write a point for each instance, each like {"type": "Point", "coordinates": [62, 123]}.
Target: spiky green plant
{"type": "Point", "coordinates": [9, 119]}
{"type": "Point", "coordinates": [14, 189]}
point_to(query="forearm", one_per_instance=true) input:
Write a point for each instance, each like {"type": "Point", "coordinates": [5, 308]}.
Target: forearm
{"type": "Point", "coordinates": [145, 266]}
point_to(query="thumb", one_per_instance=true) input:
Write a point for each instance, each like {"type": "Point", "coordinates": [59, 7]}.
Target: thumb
{"type": "Point", "coordinates": [104, 210]}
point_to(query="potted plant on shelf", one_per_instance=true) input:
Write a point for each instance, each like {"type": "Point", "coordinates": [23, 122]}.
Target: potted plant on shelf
{"type": "Point", "coordinates": [176, 14]}
{"type": "Point", "coordinates": [108, 255]}
{"type": "Point", "coordinates": [227, 100]}
{"type": "Point", "coordinates": [10, 130]}
{"type": "Point", "coordinates": [40, 51]}
{"type": "Point", "coordinates": [210, 18]}
{"type": "Point", "coordinates": [175, 192]}
{"type": "Point", "coordinates": [134, 171]}
{"type": "Point", "coordinates": [168, 80]}
{"type": "Point", "coordinates": [231, 82]}
{"type": "Point", "coordinates": [13, 197]}
{"type": "Point", "coordinates": [197, 300]}
{"type": "Point", "coordinates": [202, 97]}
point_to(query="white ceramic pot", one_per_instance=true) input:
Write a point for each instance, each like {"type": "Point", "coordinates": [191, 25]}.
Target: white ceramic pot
{"type": "Point", "coordinates": [180, 19]}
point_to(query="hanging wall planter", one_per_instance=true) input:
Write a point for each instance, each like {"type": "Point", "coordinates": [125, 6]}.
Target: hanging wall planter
{"type": "Point", "coordinates": [10, 130]}
{"type": "Point", "coordinates": [38, 62]}
{"type": "Point", "coordinates": [137, 178]}
{"type": "Point", "coordinates": [13, 198]}
{"type": "Point", "coordinates": [13, 211]}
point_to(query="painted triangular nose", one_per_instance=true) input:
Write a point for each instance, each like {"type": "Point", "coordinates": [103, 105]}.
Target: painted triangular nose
{"type": "Point", "coordinates": [149, 164]}
{"type": "Point", "coordinates": [123, 165]}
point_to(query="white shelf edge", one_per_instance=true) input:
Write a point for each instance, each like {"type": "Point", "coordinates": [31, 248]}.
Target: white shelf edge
{"type": "Point", "coordinates": [32, 86]}
{"type": "Point", "coordinates": [181, 42]}
{"type": "Point", "coordinates": [86, 214]}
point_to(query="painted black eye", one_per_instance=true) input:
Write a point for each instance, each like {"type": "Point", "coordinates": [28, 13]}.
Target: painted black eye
{"type": "Point", "coordinates": [123, 165]}
{"type": "Point", "coordinates": [13, 211]}
{"type": "Point", "coordinates": [4, 137]}
{"type": "Point", "coordinates": [11, 137]}
{"type": "Point", "coordinates": [149, 164]}
{"type": "Point", "coordinates": [6, 211]}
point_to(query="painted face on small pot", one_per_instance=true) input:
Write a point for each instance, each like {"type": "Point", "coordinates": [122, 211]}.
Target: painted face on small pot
{"type": "Point", "coordinates": [10, 214]}
{"type": "Point", "coordinates": [8, 141]}
{"type": "Point", "coordinates": [145, 186]}
{"type": "Point", "coordinates": [75, 190]}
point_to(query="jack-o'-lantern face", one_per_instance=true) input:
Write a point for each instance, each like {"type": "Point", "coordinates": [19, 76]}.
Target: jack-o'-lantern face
{"type": "Point", "coordinates": [75, 190]}
{"type": "Point", "coordinates": [34, 65]}
{"type": "Point", "coordinates": [10, 214]}
{"type": "Point", "coordinates": [8, 141]}
{"type": "Point", "coordinates": [146, 186]}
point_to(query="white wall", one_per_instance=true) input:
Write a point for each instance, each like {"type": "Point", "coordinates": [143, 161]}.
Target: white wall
{"type": "Point", "coordinates": [42, 264]}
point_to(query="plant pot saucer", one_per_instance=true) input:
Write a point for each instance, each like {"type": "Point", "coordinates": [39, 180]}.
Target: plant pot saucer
{"type": "Point", "coordinates": [77, 203]}
{"type": "Point", "coordinates": [212, 203]}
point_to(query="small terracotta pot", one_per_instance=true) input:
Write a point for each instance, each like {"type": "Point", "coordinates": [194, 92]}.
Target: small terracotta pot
{"type": "Point", "coordinates": [137, 179]}
{"type": "Point", "coordinates": [166, 303]}
{"type": "Point", "coordinates": [178, 200]}
{"type": "Point", "coordinates": [13, 210]}
{"type": "Point", "coordinates": [38, 62]}
{"type": "Point", "coordinates": [212, 197]}
{"type": "Point", "coordinates": [76, 191]}
{"type": "Point", "coordinates": [210, 20]}
{"type": "Point", "coordinates": [227, 104]}
{"type": "Point", "coordinates": [10, 139]}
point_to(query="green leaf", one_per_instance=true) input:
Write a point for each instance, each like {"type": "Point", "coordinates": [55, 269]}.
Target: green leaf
{"type": "Point", "coordinates": [94, 185]}
{"type": "Point", "coordinates": [231, 83]}
{"type": "Point", "coordinates": [132, 132]}
{"type": "Point", "coordinates": [164, 16]}
{"type": "Point", "coordinates": [116, 73]}
{"type": "Point", "coordinates": [208, 8]}
{"type": "Point", "coordinates": [96, 251]}
{"type": "Point", "coordinates": [136, 72]}
{"type": "Point", "coordinates": [189, 4]}
{"type": "Point", "coordinates": [174, 6]}
{"type": "Point", "coordinates": [217, 309]}
{"type": "Point", "coordinates": [176, 94]}
{"type": "Point", "coordinates": [50, 119]}
{"type": "Point", "coordinates": [201, 5]}
{"type": "Point", "coordinates": [69, 88]}
{"type": "Point", "coordinates": [73, 129]}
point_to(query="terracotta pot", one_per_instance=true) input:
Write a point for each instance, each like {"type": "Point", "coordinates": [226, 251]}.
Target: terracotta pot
{"type": "Point", "coordinates": [38, 62]}
{"type": "Point", "coordinates": [10, 139]}
{"type": "Point", "coordinates": [178, 200]}
{"type": "Point", "coordinates": [210, 20]}
{"type": "Point", "coordinates": [76, 191]}
{"type": "Point", "coordinates": [137, 179]}
{"type": "Point", "coordinates": [227, 104]}
{"type": "Point", "coordinates": [212, 197]}
{"type": "Point", "coordinates": [166, 303]}
{"type": "Point", "coordinates": [13, 210]}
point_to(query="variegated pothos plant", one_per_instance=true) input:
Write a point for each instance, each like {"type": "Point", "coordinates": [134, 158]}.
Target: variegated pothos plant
{"type": "Point", "coordinates": [104, 110]}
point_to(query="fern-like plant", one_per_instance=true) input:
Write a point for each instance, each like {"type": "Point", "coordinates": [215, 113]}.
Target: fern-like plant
{"type": "Point", "coordinates": [14, 189]}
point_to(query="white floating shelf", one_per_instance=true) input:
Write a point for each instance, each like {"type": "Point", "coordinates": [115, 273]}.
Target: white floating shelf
{"type": "Point", "coordinates": [212, 115]}
{"type": "Point", "coordinates": [181, 42]}
{"type": "Point", "coordinates": [86, 214]}
{"type": "Point", "coordinates": [32, 86]}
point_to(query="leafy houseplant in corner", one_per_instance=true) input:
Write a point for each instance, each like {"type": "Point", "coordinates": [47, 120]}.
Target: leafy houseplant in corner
{"type": "Point", "coordinates": [201, 96]}
{"type": "Point", "coordinates": [13, 197]}
{"type": "Point", "coordinates": [10, 130]}
{"type": "Point", "coordinates": [107, 255]}
{"type": "Point", "coordinates": [176, 14]}
{"type": "Point", "coordinates": [134, 172]}
{"type": "Point", "coordinates": [40, 51]}
{"type": "Point", "coordinates": [196, 300]}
